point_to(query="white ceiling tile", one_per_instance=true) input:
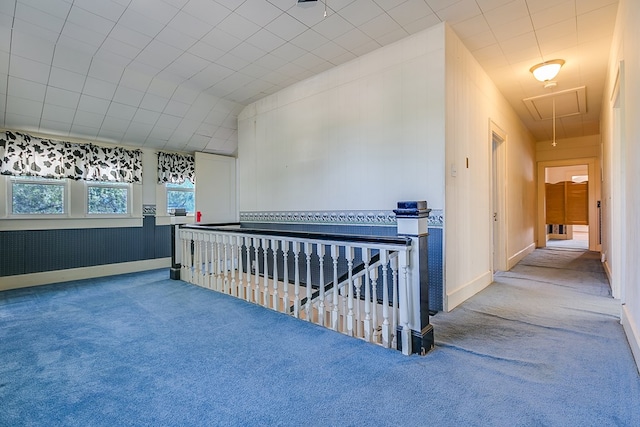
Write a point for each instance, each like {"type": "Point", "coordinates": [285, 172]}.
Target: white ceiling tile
{"type": "Point", "coordinates": [260, 13]}
{"type": "Point", "coordinates": [99, 88]}
{"type": "Point", "coordinates": [7, 8]}
{"type": "Point", "coordinates": [83, 34]}
{"type": "Point", "coordinates": [29, 28]}
{"type": "Point", "coordinates": [5, 39]}
{"type": "Point", "coordinates": [85, 118]}
{"type": "Point", "coordinates": [520, 48]}
{"type": "Point", "coordinates": [584, 6]}
{"type": "Point", "coordinates": [333, 26]}
{"type": "Point", "coordinates": [159, 11]}
{"type": "Point", "coordinates": [231, 62]}
{"type": "Point", "coordinates": [597, 24]}
{"type": "Point", "coordinates": [105, 8]}
{"type": "Point", "coordinates": [437, 5]}
{"type": "Point", "coordinates": [309, 40]}
{"type": "Point", "coordinates": [189, 25]}
{"type": "Point", "coordinates": [286, 27]}
{"type": "Point", "coordinates": [289, 52]}
{"type": "Point", "coordinates": [57, 8]}
{"type": "Point", "coordinates": [23, 107]}
{"type": "Point", "coordinates": [410, 11]}
{"type": "Point", "coordinates": [471, 27]}
{"type": "Point", "coordinates": [17, 121]}
{"type": "Point", "coordinates": [71, 59]}
{"type": "Point", "coordinates": [169, 120]}
{"type": "Point", "coordinates": [265, 40]}
{"type": "Point", "coordinates": [130, 36]}
{"type": "Point", "coordinates": [507, 13]}
{"type": "Point", "coordinates": [254, 70]}
{"type": "Point", "coordinates": [105, 71]}
{"type": "Point", "coordinates": [478, 41]}
{"type": "Point", "coordinates": [459, 11]}
{"type": "Point", "coordinates": [392, 37]}
{"type": "Point", "coordinates": [487, 5]}
{"type": "Point", "coordinates": [112, 58]}
{"type": "Point", "coordinates": [175, 38]}
{"type": "Point", "coordinates": [238, 27]}
{"type": "Point", "coordinates": [137, 131]}
{"type": "Point", "coordinates": [30, 47]}
{"type": "Point", "coordinates": [210, 11]}
{"type": "Point", "coordinates": [221, 40]}
{"type": "Point", "coordinates": [158, 54]}
{"type": "Point", "coordinates": [176, 108]}
{"type": "Point", "coordinates": [559, 12]}
{"type": "Point", "coordinates": [211, 75]}
{"type": "Point", "coordinates": [512, 29]}
{"type": "Point", "coordinates": [29, 70]}
{"type": "Point", "coordinates": [233, 4]}
{"type": "Point", "coordinates": [121, 111]}
{"type": "Point", "coordinates": [309, 61]}
{"type": "Point", "coordinates": [422, 23]}
{"type": "Point", "coordinates": [140, 22]}
{"type": "Point", "coordinates": [39, 18]}
{"type": "Point", "coordinates": [119, 48]}
{"type": "Point", "coordinates": [146, 116]}
{"type": "Point", "coordinates": [247, 52]}
{"type": "Point", "coordinates": [134, 79]}
{"type": "Point", "coordinates": [57, 113]}
{"type": "Point", "coordinates": [329, 51]}
{"type": "Point", "coordinates": [379, 26]}
{"type": "Point", "coordinates": [86, 19]}
{"type": "Point", "coordinates": [153, 102]}
{"type": "Point", "coordinates": [54, 128]}
{"type": "Point", "coordinates": [128, 96]}
{"type": "Point", "coordinates": [360, 11]}
{"type": "Point", "coordinates": [83, 132]}
{"type": "Point", "coordinates": [308, 14]}
{"type": "Point", "coordinates": [206, 51]}
{"type": "Point", "coordinates": [352, 39]}
{"type": "Point", "coordinates": [26, 89]}
{"type": "Point", "coordinates": [114, 127]}
{"type": "Point", "coordinates": [92, 104]}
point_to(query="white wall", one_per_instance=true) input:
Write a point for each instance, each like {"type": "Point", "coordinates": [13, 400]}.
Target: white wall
{"type": "Point", "coordinates": [472, 102]}
{"type": "Point", "coordinates": [624, 156]}
{"type": "Point", "coordinates": [216, 188]}
{"type": "Point", "coordinates": [363, 135]}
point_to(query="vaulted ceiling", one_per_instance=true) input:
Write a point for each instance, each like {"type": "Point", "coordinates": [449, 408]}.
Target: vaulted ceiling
{"type": "Point", "coordinates": [174, 74]}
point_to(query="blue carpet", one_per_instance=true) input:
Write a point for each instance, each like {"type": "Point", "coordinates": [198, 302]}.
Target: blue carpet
{"type": "Point", "coordinates": [542, 346]}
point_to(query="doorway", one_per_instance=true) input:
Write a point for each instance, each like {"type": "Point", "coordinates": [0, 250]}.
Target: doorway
{"type": "Point", "coordinates": [593, 214]}
{"type": "Point", "coordinates": [566, 206]}
{"type": "Point", "coordinates": [498, 191]}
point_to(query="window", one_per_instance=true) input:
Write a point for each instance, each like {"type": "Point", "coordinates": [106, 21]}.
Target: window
{"type": "Point", "coordinates": [38, 196]}
{"type": "Point", "coordinates": [107, 198]}
{"type": "Point", "coordinates": [181, 196]}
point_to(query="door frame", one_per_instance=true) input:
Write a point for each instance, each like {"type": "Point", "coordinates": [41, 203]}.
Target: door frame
{"type": "Point", "coordinates": [497, 178]}
{"type": "Point", "coordinates": [593, 165]}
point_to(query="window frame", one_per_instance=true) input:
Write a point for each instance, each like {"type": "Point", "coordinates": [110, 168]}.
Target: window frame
{"type": "Point", "coordinates": [108, 184]}
{"type": "Point", "coordinates": [36, 180]}
{"type": "Point", "coordinates": [168, 186]}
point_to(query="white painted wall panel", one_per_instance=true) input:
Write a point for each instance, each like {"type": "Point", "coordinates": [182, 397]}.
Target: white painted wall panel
{"type": "Point", "coordinates": [361, 136]}
{"type": "Point", "coordinates": [216, 188]}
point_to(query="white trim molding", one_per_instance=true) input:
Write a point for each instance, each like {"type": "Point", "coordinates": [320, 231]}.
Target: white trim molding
{"type": "Point", "coordinates": [519, 256]}
{"type": "Point", "coordinates": [463, 293]}
{"type": "Point", "coordinates": [49, 277]}
{"type": "Point", "coordinates": [630, 326]}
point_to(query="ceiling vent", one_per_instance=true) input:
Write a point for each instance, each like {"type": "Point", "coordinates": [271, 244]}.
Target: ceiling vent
{"type": "Point", "coordinates": [568, 102]}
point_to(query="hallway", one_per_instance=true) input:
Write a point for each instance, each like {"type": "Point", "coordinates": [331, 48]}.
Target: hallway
{"type": "Point", "coordinates": [548, 331]}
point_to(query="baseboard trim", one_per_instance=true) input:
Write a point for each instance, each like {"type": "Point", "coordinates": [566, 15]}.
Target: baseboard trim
{"type": "Point", "coordinates": [631, 329]}
{"type": "Point", "coordinates": [512, 261]}
{"type": "Point", "coordinates": [48, 277]}
{"type": "Point", "coordinates": [460, 295]}
{"type": "Point", "coordinates": [607, 270]}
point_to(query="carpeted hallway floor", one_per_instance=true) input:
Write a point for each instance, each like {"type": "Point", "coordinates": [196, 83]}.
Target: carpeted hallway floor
{"type": "Point", "coordinates": [542, 346]}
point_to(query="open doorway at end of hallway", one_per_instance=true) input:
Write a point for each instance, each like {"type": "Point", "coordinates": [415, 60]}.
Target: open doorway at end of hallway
{"type": "Point", "coordinates": [567, 207]}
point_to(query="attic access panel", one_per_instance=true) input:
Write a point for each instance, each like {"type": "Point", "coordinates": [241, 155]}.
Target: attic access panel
{"type": "Point", "coordinates": [568, 102]}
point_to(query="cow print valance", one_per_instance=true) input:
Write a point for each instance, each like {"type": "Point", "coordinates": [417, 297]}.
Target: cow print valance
{"type": "Point", "coordinates": [22, 154]}
{"type": "Point", "coordinates": [175, 168]}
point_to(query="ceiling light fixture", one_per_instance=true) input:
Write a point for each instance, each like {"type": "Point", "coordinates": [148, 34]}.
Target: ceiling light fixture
{"type": "Point", "coordinates": [546, 71]}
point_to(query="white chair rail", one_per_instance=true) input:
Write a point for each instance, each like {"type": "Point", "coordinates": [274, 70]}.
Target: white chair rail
{"type": "Point", "coordinates": [352, 284]}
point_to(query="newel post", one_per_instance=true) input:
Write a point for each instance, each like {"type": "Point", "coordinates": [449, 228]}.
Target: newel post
{"type": "Point", "coordinates": [412, 220]}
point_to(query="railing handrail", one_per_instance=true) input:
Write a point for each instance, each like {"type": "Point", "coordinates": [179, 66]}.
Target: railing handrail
{"type": "Point", "coordinates": [314, 237]}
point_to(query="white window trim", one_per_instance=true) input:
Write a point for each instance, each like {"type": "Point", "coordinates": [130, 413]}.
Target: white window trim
{"type": "Point", "coordinates": [101, 184]}
{"type": "Point", "coordinates": [40, 181]}
{"type": "Point", "coordinates": [186, 190]}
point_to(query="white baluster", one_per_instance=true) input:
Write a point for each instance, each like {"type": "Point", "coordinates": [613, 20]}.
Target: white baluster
{"type": "Point", "coordinates": [225, 265]}
{"type": "Point", "coordinates": [185, 265]}
{"type": "Point", "coordinates": [386, 335]}
{"type": "Point", "coordinates": [205, 260]}
{"type": "Point", "coordinates": [404, 302]}
{"type": "Point", "coordinates": [265, 268]}
{"type": "Point", "coordinates": [232, 247]}
{"type": "Point", "coordinates": [334, 302]}
{"type": "Point", "coordinates": [349, 256]}
{"type": "Point", "coordinates": [296, 289]}
{"type": "Point", "coordinates": [308, 250]}
{"type": "Point", "coordinates": [394, 307]}
{"type": "Point", "coordinates": [275, 302]}
{"type": "Point", "coordinates": [321, 304]}
{"type": "Point", "coordinates": [240, 294]}
{"type": "Point", "coordinates": [196, 258]}
{"type": "Point", "coordinates": [285, 276]}
{"type": "Point", "coordinates": [373, 274]}
{"type": "Point", "coordinates": [366, 258]}
{"type": "Point", "coordinates": [357, 330]}
{"type": "Point", "coordinates": [247, 244]}
{"type": "Point", "coordinates": [256, 273]}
